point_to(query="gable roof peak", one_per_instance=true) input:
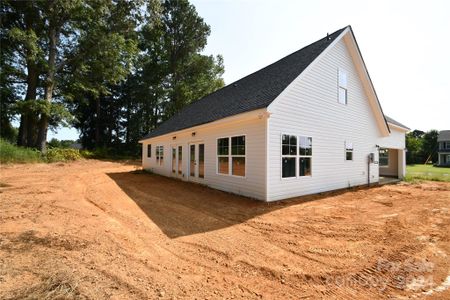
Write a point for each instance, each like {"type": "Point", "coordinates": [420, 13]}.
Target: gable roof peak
{"type": "Point", "coordinates": [254, 91]}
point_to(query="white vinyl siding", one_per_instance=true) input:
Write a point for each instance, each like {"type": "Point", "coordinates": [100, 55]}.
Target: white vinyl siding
{"type": "Point", "coordinates": [308, 107]}
{"type": "Point", "coordinates": [252, 185]}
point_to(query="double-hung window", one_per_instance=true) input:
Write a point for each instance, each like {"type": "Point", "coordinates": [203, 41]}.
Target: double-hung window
{"type": "Point", "coordinates": [383, 157]}
{"type": "Point", "coordinates": [231, 151]}
{"type": "Point", "coordinates": [342, 86]}
{"type": "Point", "coordinates": [223, 148]}
{"type": "Point", "coordinates": [159, 155]}
{"type": "Point", "coordinates": [348, 151]}
{"type": "Point", "coordinates": [238, 155]}
{"type": "Point", "coordinates": [305, 155]}
{"type": "Point", "coordinates": [288, 155]}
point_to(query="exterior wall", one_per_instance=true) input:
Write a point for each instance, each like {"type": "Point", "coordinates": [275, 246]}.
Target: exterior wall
{"type": "Point", "coordinates": [252, 185]}
{"type": "Point", "coordinates": [443, 152]}
{"type": "Point", "coordinates": [396, 140]}
{"type": "Point", "coordinates": [309, 107]}
{"type": "Point", "coordinates": [392, 168]}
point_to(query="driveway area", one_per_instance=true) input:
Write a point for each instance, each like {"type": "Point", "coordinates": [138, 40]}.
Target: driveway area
{"type": "Point", "coordinates": [95, 229]}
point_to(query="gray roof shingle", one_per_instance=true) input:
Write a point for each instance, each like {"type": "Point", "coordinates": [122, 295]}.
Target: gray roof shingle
{"type": "Point", "coordinates": [254, 91]}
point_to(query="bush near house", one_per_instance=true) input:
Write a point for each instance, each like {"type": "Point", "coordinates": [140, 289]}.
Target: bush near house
{"type": "Point", "coordinates": [427, 172]}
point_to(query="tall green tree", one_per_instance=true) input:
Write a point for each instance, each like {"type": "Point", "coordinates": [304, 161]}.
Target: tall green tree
{"type": "Point", "coordinates": [170, 72]}
{"type": "Point", "coordinates": [61, 46]}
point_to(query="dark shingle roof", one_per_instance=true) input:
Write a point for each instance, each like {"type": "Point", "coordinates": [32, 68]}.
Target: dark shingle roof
{"type": "Point", "coordinates": [254, 91]}
{"type": "Point", "coordinates": [392, 121]}
{"type": "Point", "coordinates": [444, 135]}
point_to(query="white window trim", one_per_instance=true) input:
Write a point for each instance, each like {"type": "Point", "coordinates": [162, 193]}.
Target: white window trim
{"type": "Point", "coordinates": [230, 156]}
{"type": "Point", "coordinates": [297, 158]}
{"type": "Point", "coordinates": [383, 166]}
{"type": "Point", "coordinates": [352, 151]}
{"type": "Point", "coordinates": [300, 155]}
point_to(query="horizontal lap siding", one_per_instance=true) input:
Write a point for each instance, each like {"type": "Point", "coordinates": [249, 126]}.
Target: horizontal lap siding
{"type": "Point", "coordinates": [395, 140]}
{"type": "Point", "coordinates": [309, 107]}
{"type": "Point", "coordinates": [254, 183]}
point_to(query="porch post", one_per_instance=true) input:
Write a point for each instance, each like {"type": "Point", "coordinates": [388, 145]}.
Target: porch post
{"type": "Point", "coordinates": [401, 163]}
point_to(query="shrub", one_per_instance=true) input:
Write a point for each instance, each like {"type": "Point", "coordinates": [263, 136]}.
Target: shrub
{"type": "Point", "coordinates": [10, 153]}
{"type": "Point", "coordinates": [62, 154]}
{"type": "Point", "coordinates": [88, 154]}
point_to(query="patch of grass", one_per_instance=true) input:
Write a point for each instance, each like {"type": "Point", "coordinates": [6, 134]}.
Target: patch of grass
{"type": "Point", "coordinates": [59, 285]}
{"type": "Point", "coordinates": [427, 172]}
{"type": "Point", "coordinates": [10, 153]}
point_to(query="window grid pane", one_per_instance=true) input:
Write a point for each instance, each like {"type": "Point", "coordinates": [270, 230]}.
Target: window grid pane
{"type": "Point", "coordinates": [288, 167]}
{"type": "Point", "coordinates": [222, 146]}
{"type": "Point", "coordinates": [289, 145]}
{"type": "Point", "coordinates": [305, 148]}
{"type": "Point", "coordinates": [238, 145]}
{"type": "Point", "coordinates": [305, 166]}
{"type": "Point", "coordinates": [349, 155]}
{"type": "Point", "coordinates": [223, 165]}
{"type": "Point", "coordinates": [238, 166]}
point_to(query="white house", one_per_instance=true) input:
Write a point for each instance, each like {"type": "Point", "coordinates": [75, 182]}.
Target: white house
{"type": "Point", "coordinates": [308, 123]}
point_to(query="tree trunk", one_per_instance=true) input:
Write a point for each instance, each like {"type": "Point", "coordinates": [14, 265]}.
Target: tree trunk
{"type": "Point", "coordinates": [27, 128]}
{"type": "Point", "coordinates": [22, 137]}
{"type": "Point", "coordinates": [49, 86]}
{"type": "Point", "coordinates": [97, 122]}
{"type": "Point", "coordinates": [32, 82]}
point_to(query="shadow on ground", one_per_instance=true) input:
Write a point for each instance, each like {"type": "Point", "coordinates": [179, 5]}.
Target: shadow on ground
{"type": "Point", "coordinates": [181, 208]}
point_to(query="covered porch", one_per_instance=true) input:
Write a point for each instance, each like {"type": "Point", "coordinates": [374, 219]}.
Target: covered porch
{"type": "Point", "coordinates": [391, 163]}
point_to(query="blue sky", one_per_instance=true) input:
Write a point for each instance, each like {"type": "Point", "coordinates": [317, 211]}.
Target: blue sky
{"type": "Point", "coordinates": [405, 44]}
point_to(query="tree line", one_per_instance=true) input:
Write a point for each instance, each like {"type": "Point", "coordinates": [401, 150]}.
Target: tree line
{"type": "Point", "coordinates": [113, 69]}
{"type": "Point", "coordinates": [421, 146]}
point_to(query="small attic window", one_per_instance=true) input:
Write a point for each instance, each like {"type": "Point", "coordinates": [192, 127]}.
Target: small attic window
{"type": "Point", "coordinates": [342, 86]}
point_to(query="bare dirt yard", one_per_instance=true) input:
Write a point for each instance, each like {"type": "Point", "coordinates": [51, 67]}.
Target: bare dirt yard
{"type": "Point", "coordinates": [95, 230]}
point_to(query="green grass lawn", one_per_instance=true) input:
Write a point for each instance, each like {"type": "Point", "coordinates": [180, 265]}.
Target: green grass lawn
{"type": "Point", "coordinates": [427, 172]}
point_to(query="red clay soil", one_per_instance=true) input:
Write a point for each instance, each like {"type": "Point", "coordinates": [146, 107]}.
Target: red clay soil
{"type": "Point", "coordinates": [96, 230]}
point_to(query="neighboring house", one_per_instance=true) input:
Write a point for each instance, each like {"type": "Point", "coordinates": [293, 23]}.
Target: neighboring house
{"type": "Point", "coordinates": [305, 124]}
{"type": "Point", "coordinates": [444, 148]}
